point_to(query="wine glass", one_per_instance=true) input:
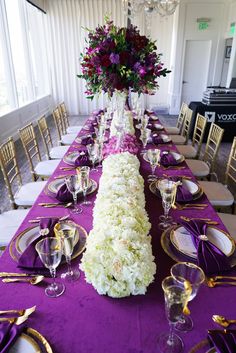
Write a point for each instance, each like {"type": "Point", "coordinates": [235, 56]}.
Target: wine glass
{"type": "Point", "coordinates": [187, 271]}
{"type": "Point", "coordinates": [168, 193]}
{"type": "Point", "coordinates": [73, 185]}
{"type": "Point", "coordinates": [144, 121]}
{"type": "Point", "coordinates": [84, 181]}
{"type": "Point", "coordinates": [67, 235]}
{"type": "Point", "coordinates": [153, 158]}
{"type": "Point", "coordinates": [50, 252]}
{"type": "Point", "coordinates": [93, 155]}
{"type": "Point", "coordinates": [175, 300]}
{"type": "Point", "coordinates": [145, 134]}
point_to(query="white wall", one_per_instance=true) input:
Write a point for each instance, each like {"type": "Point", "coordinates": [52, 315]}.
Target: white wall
{"type": "Point", "coordinates": [11, 122]}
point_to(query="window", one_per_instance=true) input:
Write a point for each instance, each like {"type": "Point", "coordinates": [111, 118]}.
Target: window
{"type": "Point", "coordinates": [23, 62]}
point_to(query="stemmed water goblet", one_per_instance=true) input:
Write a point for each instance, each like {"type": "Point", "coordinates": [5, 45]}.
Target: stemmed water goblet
{"type": "Point", "coordinates": [153, 158]}
{"type": "Point", "coordinates": [93, 155]}
{"type": "Point", "coordinates": [144, 121]}
{"type": "Point", "coordinates": [67, 235]}
{"type": "Point", "coordinates": [187, 271]}
{"type": "Point", "coordinates": [145, 134]}
{"type": "Point", "coordinates": [175, 301]}
{"type": "Point", "coordinates": [73, 185]}
{"type": "Point", "coordinates": [84, 181]}
{"type": "Point", "coordinates": [50, 252]}
{"type": "Point", "coordinates": [168, 193]}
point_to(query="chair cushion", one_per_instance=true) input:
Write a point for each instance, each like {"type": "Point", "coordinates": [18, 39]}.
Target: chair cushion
{"type": "Point", "coordinates": [172, 130]}
{"type": "Point", "coordinates": [74, 129]}
{"type": "Point", "coordinates": [229, 221]}
{"type": "Point", "coordinates": [188, 151]}
{"type": "Point", "coordinates": [68, 139]}
{"type": "Point", "coordinates": [8, 228]}
{"type": "Point", "coordinates": [198, 168]}
{"type": "Point", "coordinates": [46, 168]}
{"type": "Point", "coordinates": [58, 152]}
{"type": "Point", "coordinates": [28, 193]}
{"type": "Point", "coordinates": [178, 139]}
{"type": "Point", "coordinates": [217, 193]}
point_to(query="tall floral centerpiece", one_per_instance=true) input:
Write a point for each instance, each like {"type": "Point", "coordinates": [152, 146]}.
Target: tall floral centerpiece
{"type": "Point", "coordinates": [119, 59]}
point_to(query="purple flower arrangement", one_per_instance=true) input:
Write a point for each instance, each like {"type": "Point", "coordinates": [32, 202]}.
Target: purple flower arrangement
{"type": "Point", "coordinates": [120, 59]}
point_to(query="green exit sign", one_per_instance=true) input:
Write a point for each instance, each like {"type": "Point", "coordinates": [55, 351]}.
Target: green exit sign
{"type": "Point", "coordinates": [232, 28]}
{"type": "Point", "coordinates": [202, 26]}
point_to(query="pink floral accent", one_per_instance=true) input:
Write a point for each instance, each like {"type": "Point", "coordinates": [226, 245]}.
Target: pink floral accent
{"type": "Point", "coordinates": [129, 144]}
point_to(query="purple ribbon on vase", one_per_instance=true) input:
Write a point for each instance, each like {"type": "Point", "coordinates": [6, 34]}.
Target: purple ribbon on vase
{"type": "Point", "coordinates": [210, 258]}
{"type": "Point", "coordinates": [8, 335]}
{"type": "Point", "coordinates": [224, 341]}
{"type": "Point", "coordinates": [30, 258]}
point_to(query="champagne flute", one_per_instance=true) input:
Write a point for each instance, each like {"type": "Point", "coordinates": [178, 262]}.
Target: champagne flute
{"type": "Point", "coordinates": [153, 158]}
{"type": "Point", "coordinates": [84, 180]}
{"type": "Point", "coordinates": [175, 300]}
{"type": "Point", "coordinates": [50, 252]}
{"type": "Point", "coordinates": [67, 235]}
{"type": "Point", "coordinates": [73, 185]}
{"type": "Point", "coordinates": [93, 154]}
{"type": "Point", "coordinates": [187, 271]}
{"type": "Point", "coordinates": [168, 193]}
{"type": "Point", "coordinates": [145, 134]}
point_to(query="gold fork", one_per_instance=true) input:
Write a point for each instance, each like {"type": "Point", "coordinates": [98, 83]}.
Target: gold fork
{"type": "Point", "coordinates": [207, 220]}
{"type": "Point", "coordinates": [23, 312]}
{"type": "Point", "coordinates": [14, 320]}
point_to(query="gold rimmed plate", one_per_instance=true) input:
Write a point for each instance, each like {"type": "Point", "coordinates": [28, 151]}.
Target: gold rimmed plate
{"type": "Point", "coordinates": [202, 347]}
{"type": "Point", "coordinates": [80, 138]}
{"type": "Point", "coordinates": [31, 341]}
{"type": "Point", "coordinates": [191, 185]}
{"type": "Point", "coordinates": [56, 184]}
{"type": "Point", "coordinates": [26, 237]}
{"type": "Point", "coordinates": [182, 241]}
{"type": "Point", "coordinates": [70, 158]}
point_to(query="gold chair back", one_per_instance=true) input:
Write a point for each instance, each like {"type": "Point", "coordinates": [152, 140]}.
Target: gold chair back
{"type": "Point", "coordinates": [31, 147]}
{"type": "Point", "coordinates": [187, 124]}
{"type": "Point", "coordinates": [231, 165]}
{"type": "Point", "coordinates": [64, 115]}
{"type": "Point", "coordinates": [212, 146]}
{"type": "Point", "coordinates": [10, 169]}
{"type": "Point", "coordinates": [181, 116]}
{"type": "Point", "coordinates": [45, 133]}
{"type": "Point", "coordinates": [57, 117]}
{"type": "Point", "coordinates": [198, 133]}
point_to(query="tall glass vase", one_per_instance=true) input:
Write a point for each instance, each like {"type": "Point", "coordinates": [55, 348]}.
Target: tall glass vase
{"type": "Point", "coordinates": [120, 98]}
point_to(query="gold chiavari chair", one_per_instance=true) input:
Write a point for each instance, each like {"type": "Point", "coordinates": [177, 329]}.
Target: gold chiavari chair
{"type": "Point", "coordinates": [57, 152]}
{"type": "Point", "coordinates": [64, 138]}
{"type": "Point", "coordinates": [176, 130]}
{"type": "Point", "coordinates": [42, 169]}
{"type": "Point", "coordinates": [19, 195]}
{"type": "Point", "coordinates": [184, 137]}
{"type": "Point", "coordinates": [75, 129]}
{"type": "Point", "coordinates": [202, 168]}
{"type": "Point", "coordinates": [219, 194]}
{"type": "Point", "coordinates": [193, 150]}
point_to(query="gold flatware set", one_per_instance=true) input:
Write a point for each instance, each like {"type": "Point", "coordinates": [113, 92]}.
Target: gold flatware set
{"type": "Point", "coordinates": [33, 280]}
{"type": "Point", "coordinates": [214, 281]}
{"type": "Point", "coordinates": [55, 204]}
{"type": "Point", "coordinates": [37, 219]}
{"type": "Point", "coordinates": [222, 321]}
{"type": "Point", "coordinates": [207, 220]}
{"type": "Point", "coordinates": [17, 320]}
{"type": "Point", "coordinates": [198, 206]}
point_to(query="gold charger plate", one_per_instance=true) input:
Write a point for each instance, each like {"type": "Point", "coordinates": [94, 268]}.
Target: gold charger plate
{"type": "Point", "coordinates": [31, 233]}
{"type": "Point", "coordinates": [70, 158]}
{"type": "Point", "coordinates": [31, 341]}
{"type": "Point", "coordinates": [52, 188]}
{"type": "Point", "coordinates": [80, 138]}
{"type": "Point", "coordinates": [202, 347]}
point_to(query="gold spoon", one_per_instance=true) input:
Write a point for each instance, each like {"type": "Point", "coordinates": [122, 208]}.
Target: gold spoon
{"type": "Point", "coordinates": [34, 280]}
{"type": "Point", "coordinates": [211, 283]}
{"type": "Point", "coordinates": [221, 320]}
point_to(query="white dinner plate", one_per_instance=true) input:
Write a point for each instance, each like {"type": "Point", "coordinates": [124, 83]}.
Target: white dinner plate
{"type": "Point", "coordinates": [71, 157]}
{"type": "Point", "coordinates": [80, 138]}
{"type": "Point", "coordinates": [165, 137]}
{"type": "Point", "coordinates": [158, 126]}
{"type": "Point", "coordinates": [182, 241]}
{"type": "Point", "coordinates": [178, 157]}
{"type": "Point", "coordinates": [192, 187]}
{"type": "Point", "coordinates": [31, 341]}
{"type": "Point", "coordinates": [55, 185]}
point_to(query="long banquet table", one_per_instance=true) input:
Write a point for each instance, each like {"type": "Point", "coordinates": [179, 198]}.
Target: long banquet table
{"type": "Point", "coordinates": [82, 321]}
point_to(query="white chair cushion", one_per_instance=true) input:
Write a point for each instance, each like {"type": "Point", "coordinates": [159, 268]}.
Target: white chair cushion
{"type": "Point", "coordinates": [28, 193]}
{"type": "Point", "coordinates": [178, 139]}
{"type": "Point", "coordinates": [58, 152]}
{"type": "Point", "coordinates": [198, 168]}
{"type": "Point", "coordinates": [229, 221]}
{"type": "Point", "coordinates": [74, 129]}
{"type": "Point", "coordinates": [46, 168]}
{"type": "Point", "coordinates": [172, 130]}
{"type": "Point", "coordinates": [217, 193]}
{"type": "Point", "coordinates": [9, 223]}
{"type": "Point", "coordinates": [188, 151]}
{"type": "Point", "coordinates": [68, 139]}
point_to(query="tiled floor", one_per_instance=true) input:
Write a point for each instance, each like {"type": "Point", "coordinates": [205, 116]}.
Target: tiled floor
{"type": "Point", "coordinates": [24, 167]}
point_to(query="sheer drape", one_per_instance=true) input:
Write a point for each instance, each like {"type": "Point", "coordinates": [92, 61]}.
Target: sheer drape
{"type": "Point", "coordinates": [65, 22]}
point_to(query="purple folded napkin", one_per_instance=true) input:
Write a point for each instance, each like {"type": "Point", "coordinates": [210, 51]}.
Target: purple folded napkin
{"type": "Point", "coordinates": [210, 258]}
{"type": "Point", "coordinates": [63, 194]}
{"type": "Point", "coordinates": [82, 159]}
{"type": "Point", "coordinates": [91, 128]}
{"type": "Point", "coordinates": [223, 341]}
{"type": "Point", "coordinates": [167, 159]}
{"type": "Point", "coordinates": [157, 139]}
{"type": "Point", "coordinates": [86, 140]}
{"type": "Point", "coordinates": [30, 258]}
{"type": "Point", "coordinates": [8, 335]}
{"type": "Point", "coordinates": [183, 194]}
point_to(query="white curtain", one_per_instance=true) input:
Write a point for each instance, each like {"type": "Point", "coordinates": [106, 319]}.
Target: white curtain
{"type": "Point", "coordinates": [66, 40]}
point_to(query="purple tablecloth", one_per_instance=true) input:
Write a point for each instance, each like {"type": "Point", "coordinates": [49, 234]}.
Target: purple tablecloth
{"type": "Point", "coordinates": [81, 321]}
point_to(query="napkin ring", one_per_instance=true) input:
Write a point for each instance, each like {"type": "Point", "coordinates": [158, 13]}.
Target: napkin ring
{"type": "Point", "coordinates": [44, 231]}
{"type": "Point", "coordinates": [203, 237]}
